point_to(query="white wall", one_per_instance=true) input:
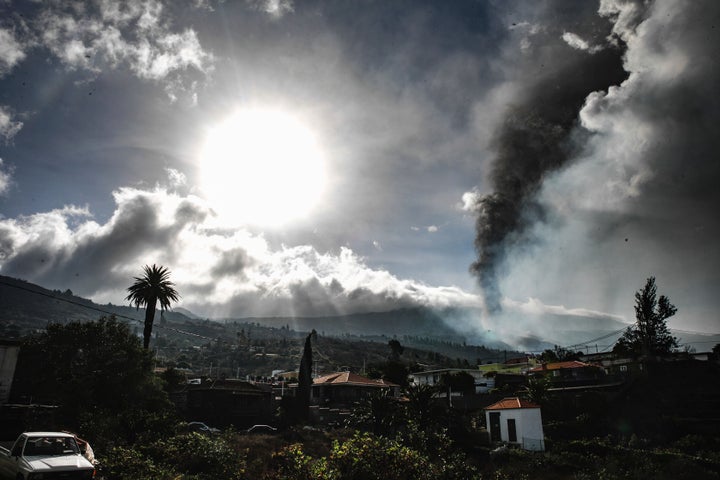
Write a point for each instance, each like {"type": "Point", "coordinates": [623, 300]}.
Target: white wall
{"type": "Point", "coordinates": [528, 426]}
{"type": "Point", "coordinates": [8, 359]}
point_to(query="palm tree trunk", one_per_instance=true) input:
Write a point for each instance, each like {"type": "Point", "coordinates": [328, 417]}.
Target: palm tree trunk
{"type": "Point", "coordinates": [149, 317]}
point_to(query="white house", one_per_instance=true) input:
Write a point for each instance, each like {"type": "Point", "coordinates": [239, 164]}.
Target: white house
{"type": "Point", "coordinates": [433, 377]}
{"type": "Point", "coordinates": [514, 420]}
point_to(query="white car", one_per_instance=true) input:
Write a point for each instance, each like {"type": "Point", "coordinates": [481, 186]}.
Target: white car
{"type": "Point", "coordinates": [43, 456]}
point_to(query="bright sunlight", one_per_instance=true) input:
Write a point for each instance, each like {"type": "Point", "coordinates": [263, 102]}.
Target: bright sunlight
{"type": "Point", "coordinates": [261, 167]}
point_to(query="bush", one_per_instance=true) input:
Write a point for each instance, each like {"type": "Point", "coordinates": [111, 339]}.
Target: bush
{"type": "Point", "coordinates": [122, 463]}
{"type": "Point", "coordinates": [368, 457]}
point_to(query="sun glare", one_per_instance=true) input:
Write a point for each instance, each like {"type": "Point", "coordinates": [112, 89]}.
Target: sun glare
{"type": "Point", "coordinates": [261, 167]}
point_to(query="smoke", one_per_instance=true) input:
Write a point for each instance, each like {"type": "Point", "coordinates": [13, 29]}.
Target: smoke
{"type": "Point", "coordinates": [537, 137]}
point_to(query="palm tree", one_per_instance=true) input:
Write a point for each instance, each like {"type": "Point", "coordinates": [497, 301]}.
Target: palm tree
{"type": "Point", "coordinates": [153, 287]}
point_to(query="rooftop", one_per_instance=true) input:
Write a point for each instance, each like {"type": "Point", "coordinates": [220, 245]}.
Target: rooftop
{"type": "Point", "coordinates": [349, 378]}
{"type": "Point", "coordinates": [560, 365]}
{"type": "Point", "coordinates": [511, 403]}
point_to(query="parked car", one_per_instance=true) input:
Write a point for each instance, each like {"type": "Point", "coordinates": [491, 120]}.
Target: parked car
{"type": "Point", "coordinates": [257, 429]}
{"type": "Point", "coordinates": [39, 455]}
{"type": "Point", "coordinates": [202, 428]}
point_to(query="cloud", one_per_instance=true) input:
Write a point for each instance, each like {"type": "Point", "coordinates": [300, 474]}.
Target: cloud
{"type": "Point", "coordinates": [534, 138]}
{"type": "Point", "coordinates": [642, 185]}
{"type": "Point", "coordinates": [107, 34]}
{"type": "Point", "coordinates": [432, 229]}
{"type": "Point", "coordinates": [274, 8]}
{"type": "Point", "coordinates": [579, 43]}
{"type": "Point", "coordinates": [176, 178]}
{"type": "Point", "coordinates": [218, 272]}
{"type": "Point", "coordinates": [9, 127]}
{"type": "Point", "coordinates": [5, 178]}
{"type": "Point", "coordinates": [11, 51]}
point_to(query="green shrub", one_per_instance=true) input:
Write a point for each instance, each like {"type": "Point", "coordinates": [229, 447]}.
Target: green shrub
{"type": "Point", "coordinates": [122, 463]}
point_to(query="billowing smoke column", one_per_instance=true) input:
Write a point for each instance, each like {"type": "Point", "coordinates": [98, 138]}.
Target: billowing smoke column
{"type": "Point", "coordinates": [534, 140]}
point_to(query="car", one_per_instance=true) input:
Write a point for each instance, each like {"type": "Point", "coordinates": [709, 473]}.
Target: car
{"type": "Point", "coordinates": [37, 455]}
{"type": "Point", "coordinates": [258, 429]}
{"type": "Point", "coordinates": [202, 428]}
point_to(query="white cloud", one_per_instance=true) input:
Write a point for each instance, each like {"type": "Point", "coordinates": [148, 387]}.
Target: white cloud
{"type": "Point", "coordinates": [11, 51]}
{"type": "Point", "coordinates": [534, 306]}
{"type": "Point", "coordinates": [577, 42]}
{"type": "Point", "coordinates": [9, 127]}
{"type": "Point", "coordinates": [219, 272]}
{"type": "Point", "coordinates": [469, 201]}
{"type": "Point", "coordinates": [135, 33]}
{"type": "Point", "coordinates": [432, 229]}
{"type": "Point", "coordinates": [274, 8]}
{"type": "Point", "coordinates": [176, 178]}
{"type": "Point", "coordinates": [5, 178]}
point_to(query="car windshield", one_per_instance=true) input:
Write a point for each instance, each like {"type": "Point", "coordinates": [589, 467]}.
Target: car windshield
{"type": "Point", "coordinates": [47, 446]}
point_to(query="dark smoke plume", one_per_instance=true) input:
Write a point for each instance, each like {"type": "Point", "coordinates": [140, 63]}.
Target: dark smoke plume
{"type": "Point", "coordinates": [534, 140]}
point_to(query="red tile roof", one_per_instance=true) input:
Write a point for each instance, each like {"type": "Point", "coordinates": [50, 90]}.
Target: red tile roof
{"type": "Point", "coordinates": [510, 403]}
{"type": "Point", "coordinates": [348, 378]}
{"type": "Point", "coordinates": [560, 365]}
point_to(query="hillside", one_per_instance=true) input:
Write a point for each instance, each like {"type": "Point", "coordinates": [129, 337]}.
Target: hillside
{"type": "Point", "coordinates": [453, 332]}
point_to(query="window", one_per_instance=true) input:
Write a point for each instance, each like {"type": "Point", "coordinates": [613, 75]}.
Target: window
{"type": "Point", "coordinates": [623, 368]}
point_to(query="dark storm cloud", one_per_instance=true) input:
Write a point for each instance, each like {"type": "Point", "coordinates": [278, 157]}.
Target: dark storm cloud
{"type": "Point", "coordinates": [231, 263]}
{"type": "Point", "coordinates": [533, 141]}
{"type": "Point", "coordinates": [136, 228]}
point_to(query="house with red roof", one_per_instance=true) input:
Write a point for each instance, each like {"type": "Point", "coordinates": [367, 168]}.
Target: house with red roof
{"type": "Point", "coordinates": [346, 388]}
{"type": "Point", "coordinates": [517, 421]}
{"type": "Point", "coordinates": [570, 373]}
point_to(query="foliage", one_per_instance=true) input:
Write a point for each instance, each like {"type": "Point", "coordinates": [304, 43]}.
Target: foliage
{"type": "Point", "coordinates": [304, 389]}
{"type": "Point", "coordinates": [122, 463]}
{"type": "Point", "coordinates": [206, 456]}
{"type": "Point", "coordinates": [537, 390]}
{"type": "Point", "coordinates": [378, 413]}
{"type": "Point", "coordinates": [395, 372]}
{"type": "Point", "coordinates": [189, 455]}
{"type": "Point", "coordinates": [368, 457]}
{"type": "Point", "coordinates": [559, 354]}
{"type": "Point", "coordinates": [89, 367]}
{"type": "Point", "coordinates": [152, 288]}
{"type": "Point", "coordinates": [599, 459]}
{"type": "Point", "coordinates": [458, 382]}
{"type": "Point", "coordinates": [395, 350]}
{"type": "Point", "coordinates": [649, 335]}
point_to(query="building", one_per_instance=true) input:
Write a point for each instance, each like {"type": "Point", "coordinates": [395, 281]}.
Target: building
{"type": "Point", "coordinates": [226, 402]}
{"type": "Point", "coordinates": [9, 351]}
{"type": "Point", "coordinates": [570, 374]}
{"type": "Point", "coordinates": [346, 388]}
{"type": "Point", "coordinates": [517, 421]}
{"type": "Point", "coordinates": [482, 382]}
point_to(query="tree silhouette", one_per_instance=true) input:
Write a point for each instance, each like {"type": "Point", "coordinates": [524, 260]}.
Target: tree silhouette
{"type": "Point", "coordinates": [152, 288]}
{"type": "Point", "coordinates": [649, 335]}
{"type": "Point", "coordinates": [305, 380]}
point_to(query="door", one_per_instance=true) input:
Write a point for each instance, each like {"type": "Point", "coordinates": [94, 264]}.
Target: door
{"type": "Point", "coordinates": [495, 426]}
{"type": "Point", "coordinates": [512, 434]}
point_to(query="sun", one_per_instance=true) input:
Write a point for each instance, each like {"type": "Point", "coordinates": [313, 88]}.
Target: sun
{"type": "Point", "coordinates": [261, 167]}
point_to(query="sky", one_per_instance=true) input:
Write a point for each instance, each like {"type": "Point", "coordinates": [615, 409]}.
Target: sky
{"type": "Point", "coordinates": [527, 159]}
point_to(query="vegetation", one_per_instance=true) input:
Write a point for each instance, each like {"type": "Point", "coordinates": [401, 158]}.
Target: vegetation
{"type": "Point", "coordinates": [96, 372]}
{"type": "Point", "coordinates": [649, 335]}
{"type": "Point", "coordinates": [152, 288]}
{"type": "Point", "coordinates": [305, 380]}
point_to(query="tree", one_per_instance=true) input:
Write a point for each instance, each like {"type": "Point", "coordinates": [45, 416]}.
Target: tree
{"type": "Point", "coordinates": [305, 379]}
{"type": "Point", "coordinates": [649, 335]}
{"type": "Point", "coordinates": [153, 287]}
{"type": "Point", "coordinates": [395, 350]}
{"type": "Point", "coordinates": [87, 368]}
